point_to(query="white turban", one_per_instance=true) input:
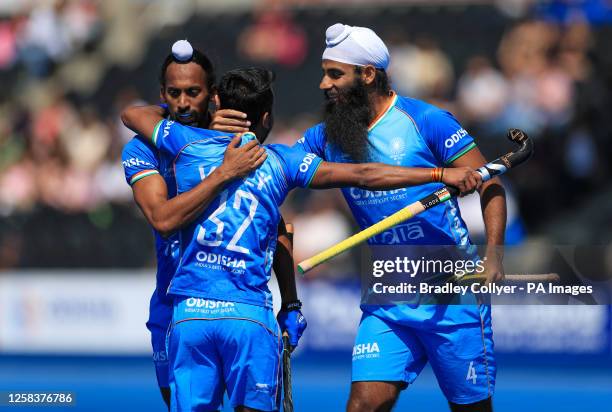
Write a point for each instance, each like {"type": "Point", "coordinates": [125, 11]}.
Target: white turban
{"type": "Point", "coordinates": [359, 46]}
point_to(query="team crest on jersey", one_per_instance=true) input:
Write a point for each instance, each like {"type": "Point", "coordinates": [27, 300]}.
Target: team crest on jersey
{"type": "Point", "coordinates": [397, 149]}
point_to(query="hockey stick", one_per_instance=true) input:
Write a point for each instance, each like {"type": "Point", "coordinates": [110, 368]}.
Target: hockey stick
{"type": "Point", "coordinates": [495, 168]}
{"type": "Point", "coordinates": [287, 394]}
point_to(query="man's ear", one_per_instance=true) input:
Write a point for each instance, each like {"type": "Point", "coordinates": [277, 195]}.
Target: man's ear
{"type": "Point", "coordinates": [368, 74]}
{"type": "Point", "coordinates": [266, 120]}
{"type": "Point", "coordinates": [161, 94]}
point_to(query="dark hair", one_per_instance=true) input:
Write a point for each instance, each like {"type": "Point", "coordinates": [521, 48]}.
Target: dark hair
{"type": "Point", "coordinates": [382, 85]}
{"type": "Point", "coordinates": [198, 58]}
{"type": "Point", "coordinates": [247, 90]}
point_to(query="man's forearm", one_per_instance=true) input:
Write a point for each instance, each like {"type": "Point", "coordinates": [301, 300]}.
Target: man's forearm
{"type": "Point", "coordinates": [372, 176]}
{"type": "Point", "coordinates": [382, 176]}
{"type": "Point", "coordinates": [184, 208]}
{"type": "Point", "coordinates": [493, 204]}
{"type": "Point", "coordinates": [283, 265]}
{"type": "Point", "coordinates": [142, 119]}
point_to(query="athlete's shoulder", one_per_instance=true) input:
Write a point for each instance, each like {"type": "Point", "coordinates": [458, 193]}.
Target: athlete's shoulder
{"type": "Point", "coordinates": [286, 152]}
{"type": "Point", "coordinates": [318, 128]}
{"type": "Point", "coordinates": [419, 110]}
{"type": "Point", "coordinates": [139, 148]}
{"type": "Point", "coordinates": [140, 159]}
{"type": "Point", "coordinates": [446, 138]}
{"type": "Point", "coordinates": [295, 163]}
{"type": "Point", "coordinates": [209, 132]}
{"type": "Point", "coordinates": [172, 137]}
{"type": "Point", "coordinates": [430, 120]}
{"type": "Point", "coordinates": [203, 133]}
{"type": "Point", "coordinates": [280, 149]}
{"type": "Point", "coordinates": [139, 143]}
{"type": "Point", "coordinates": [314, 140]}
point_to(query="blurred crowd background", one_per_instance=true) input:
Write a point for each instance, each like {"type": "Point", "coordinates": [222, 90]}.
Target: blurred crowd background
{"type": "Point", "coordinates": [67, 68]}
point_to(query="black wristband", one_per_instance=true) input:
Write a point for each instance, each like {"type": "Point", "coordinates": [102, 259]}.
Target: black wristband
{"type": "Point", "coordinates": [293, 305]}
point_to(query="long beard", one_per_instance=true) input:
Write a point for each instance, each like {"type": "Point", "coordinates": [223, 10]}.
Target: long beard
{"type": "Point", "coordinates": [347, 119]}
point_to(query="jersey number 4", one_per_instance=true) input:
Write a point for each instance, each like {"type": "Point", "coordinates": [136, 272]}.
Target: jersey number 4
{"type": "Point", "coordinates": [471, 375]}
{"type": "Point", "coordinates": [214, 217]}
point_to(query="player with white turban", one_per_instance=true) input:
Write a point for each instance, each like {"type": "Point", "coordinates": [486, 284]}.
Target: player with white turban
{"type": "Point", "coordinates": [365, 121]}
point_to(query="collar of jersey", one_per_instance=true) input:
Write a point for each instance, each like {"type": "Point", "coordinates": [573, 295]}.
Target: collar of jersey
{"type": "Point", "coordinates": [384, 113]}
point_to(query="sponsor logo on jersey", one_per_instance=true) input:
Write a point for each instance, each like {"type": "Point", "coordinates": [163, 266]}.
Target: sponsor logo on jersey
{"type": "Point", "coordinates": [263, 387]}
{"type": "Point", "coordinates": [167, 127]}
{"type": "Point", "coordinates": [362, 194]}
{"type": "Point", "coordinates": [216, 258]}
{"type": "Point", "coordinates": [208, 304]}
{"type": "Point", "coordinates": [455, 137]}
{"type": "Point", "coordinates": [307, 161]}
{"type": "Point", "coordinates": [135, 162]}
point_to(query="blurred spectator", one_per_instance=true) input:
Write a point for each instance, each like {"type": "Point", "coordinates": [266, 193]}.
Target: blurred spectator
{"type": "Point", "coordinates": [86, 141]}
{"type": "Point", "coordinates": [580, 155]}
{"type": "Point", "coordinates": [555, 93]}
{"type": "Point", "coordinates": [574, 47]}
{"type": "Point", "coordinates": [563, 11]}
{"type": "Point", "coordinates": [8, 44]}
{"type": "Point", "coordinates": [422, 70]}
{"type": "Point", "coordinates": [482, 91]}
{"type": "Point", "coordinates": [126, 97]}
{"type": "Point", "coordinates": [49, 34]}
{"type": "Point", "coordinates": [18, 189]}
{"type": "Point", "coordinates": [540, 92]}
{"type": "Point", "coordinates": [274, 37]}
{"type": "Point", "coordinates": [45, 39]}
{"type": "Point", "coordinates": [319, 226]}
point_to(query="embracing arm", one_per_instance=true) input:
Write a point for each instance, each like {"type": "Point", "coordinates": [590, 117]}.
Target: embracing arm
{"type": "Point", "coordinates": [142, 119]}
{"type": "Point", "coordinates": [168, 215]}
{"type": "Point", "coordinates": [379, 176]}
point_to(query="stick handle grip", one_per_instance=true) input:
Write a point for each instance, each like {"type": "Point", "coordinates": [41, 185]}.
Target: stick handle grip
{"type": "Point", "coordinates": [287, 392]}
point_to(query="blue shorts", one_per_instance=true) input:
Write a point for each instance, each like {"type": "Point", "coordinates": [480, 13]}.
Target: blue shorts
{"type": "Point", "coordinates": [460, 355]}
{"type": "Point", "coordinates": [216, 346]}
{"type": "Point", "coordinates": [160, 318]}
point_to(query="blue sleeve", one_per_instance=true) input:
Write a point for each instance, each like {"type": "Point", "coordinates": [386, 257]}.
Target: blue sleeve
{"type": "Point", "coordinates": [313, 141]}
{"type": "Point", "coordinates": [297, 165]}
{"type": "Point", "coordinates": [444, 135]}
{"type": "Point", "coordinates": [171, 137]}
{"type": "Point", "coordinates": [139, 160]}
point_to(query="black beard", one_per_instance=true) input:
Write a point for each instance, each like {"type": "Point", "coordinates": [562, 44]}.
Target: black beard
{"type": "Point", "coordinates": [347, 119]}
